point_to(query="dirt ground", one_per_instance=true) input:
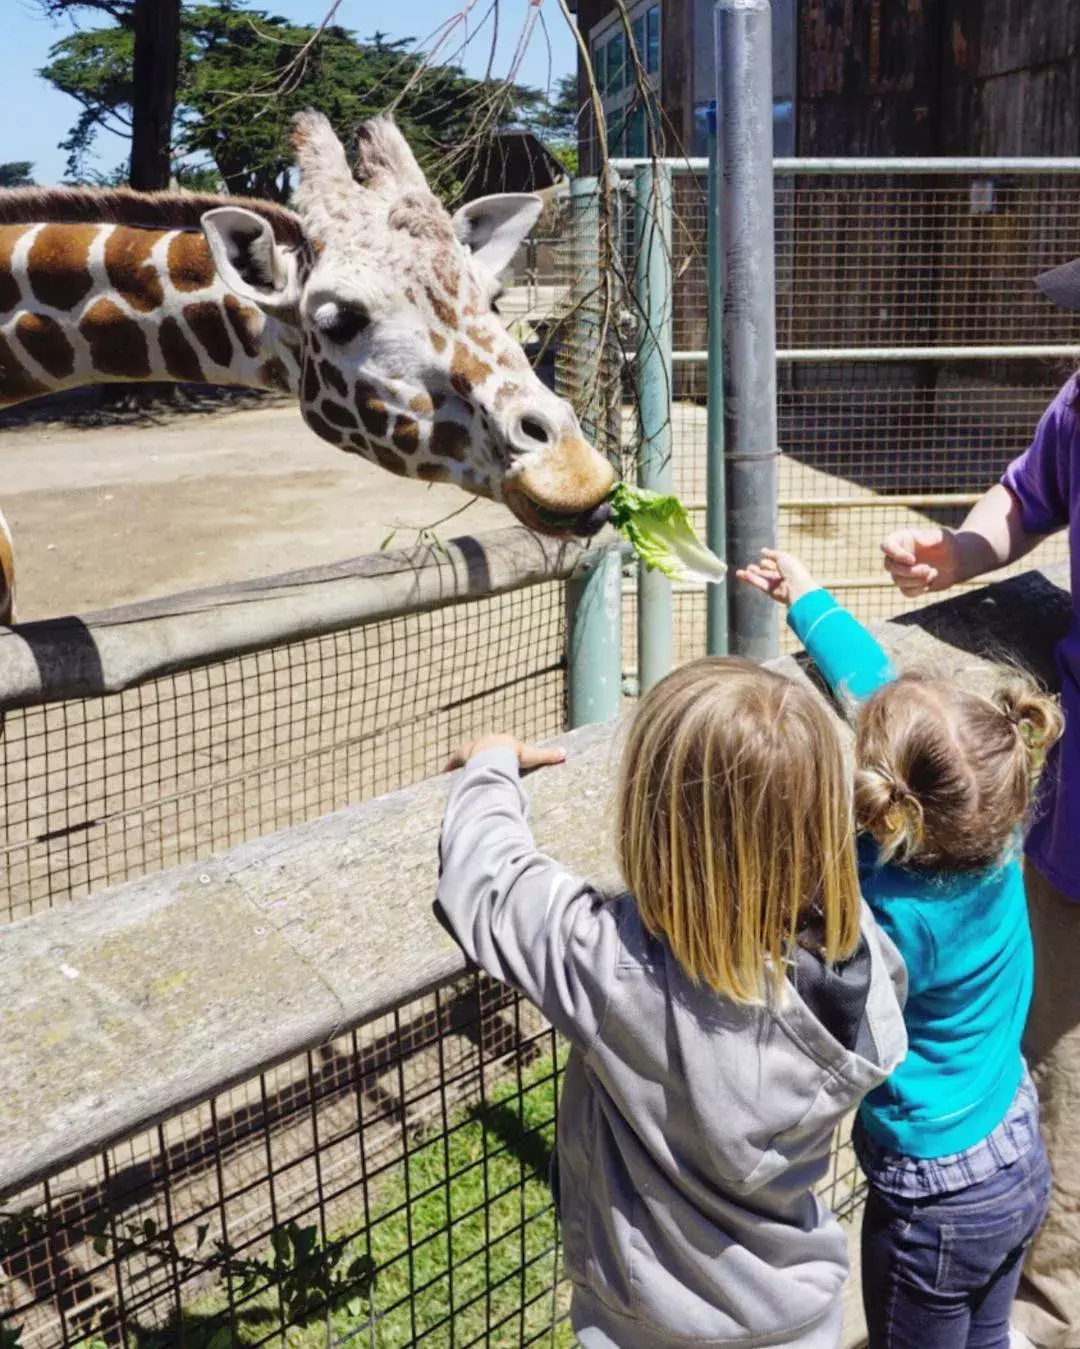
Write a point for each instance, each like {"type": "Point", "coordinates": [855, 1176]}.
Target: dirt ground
{"type": "Point", "coordinates": [108, 515]}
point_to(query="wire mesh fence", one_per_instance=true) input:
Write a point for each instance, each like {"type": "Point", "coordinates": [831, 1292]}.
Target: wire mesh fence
{"type": "Point", "coordinates": [889, 414]}
{"type": "Point", "coordinates": [95, 792]}
{"type": "Point", "coordinates": [390, 1188]}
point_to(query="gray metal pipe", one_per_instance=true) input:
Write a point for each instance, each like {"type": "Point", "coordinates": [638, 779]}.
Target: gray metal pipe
{"type": "Point", "coordinates": [744, 99]}
{"type": "Point", "coordinates": [717, 599]}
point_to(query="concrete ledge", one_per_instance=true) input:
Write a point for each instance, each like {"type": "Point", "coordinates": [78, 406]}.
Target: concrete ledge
{"type": "Point", "coordinates": [125, 1007]}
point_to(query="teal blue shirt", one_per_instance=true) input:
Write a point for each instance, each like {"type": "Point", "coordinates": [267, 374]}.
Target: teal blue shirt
{"type": "Point", "coordinates": [964, 938]}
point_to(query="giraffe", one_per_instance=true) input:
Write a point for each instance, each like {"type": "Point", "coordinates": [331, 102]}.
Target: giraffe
{"type": "Point", "coordinates": [370, 303]}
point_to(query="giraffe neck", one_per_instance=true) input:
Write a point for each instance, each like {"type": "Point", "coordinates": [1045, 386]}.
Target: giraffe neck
{"type": "Point", "coordinates": [87, 303]}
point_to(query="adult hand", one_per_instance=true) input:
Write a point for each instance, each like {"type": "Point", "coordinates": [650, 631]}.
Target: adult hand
{"type": "Point", "coordinates": [782, 576]}
{"type": "Point", "coordinates": [528, 756]}
{"type": "Point", "coordinates": [922, 560]}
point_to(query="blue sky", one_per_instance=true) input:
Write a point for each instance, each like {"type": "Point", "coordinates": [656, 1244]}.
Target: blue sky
{"type": "Point", "coordinates": [34, 117]}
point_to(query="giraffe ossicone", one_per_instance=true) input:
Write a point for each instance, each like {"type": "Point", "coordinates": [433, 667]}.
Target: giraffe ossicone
{"type": "Point", "coordinates": [369, 301]}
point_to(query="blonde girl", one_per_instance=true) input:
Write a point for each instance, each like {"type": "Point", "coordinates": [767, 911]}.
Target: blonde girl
{"type": "Point", "coordinates": [724, 1014]}
{"type": "Point", "coordinates": [959, 1181]}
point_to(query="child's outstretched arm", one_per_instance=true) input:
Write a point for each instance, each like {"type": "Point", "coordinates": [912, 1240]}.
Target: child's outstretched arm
{"type": "Point", "coordinates": [516, 913]}
{"type": "Point", "coordinates": [849, 658]}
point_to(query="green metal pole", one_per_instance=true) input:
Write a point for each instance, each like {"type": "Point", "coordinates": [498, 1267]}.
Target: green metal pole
{"type": "Point", "coordinates": [716, 596]}
{"type": "Point", "coordinates": [593, 631]}
{"type": "Point", "coordinates": [594, 638]}
{"type": "Point", "coordinates": [652, 381]}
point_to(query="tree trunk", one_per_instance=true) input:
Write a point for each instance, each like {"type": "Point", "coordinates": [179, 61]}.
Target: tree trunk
{"type": "Point", "coordinates": [156, 24]}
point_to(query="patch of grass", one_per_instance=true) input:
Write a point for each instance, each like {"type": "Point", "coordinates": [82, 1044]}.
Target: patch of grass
{"type": "Point", "coordinates": [462, 1233]}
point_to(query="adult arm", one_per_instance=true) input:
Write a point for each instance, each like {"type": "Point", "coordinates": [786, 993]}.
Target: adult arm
{"type": "Point", "coordinates": [516, 913]}
{"type": "Point", "coordinates": [1031, 501]}
{"type": "Point", "coordinates": [993, 535]}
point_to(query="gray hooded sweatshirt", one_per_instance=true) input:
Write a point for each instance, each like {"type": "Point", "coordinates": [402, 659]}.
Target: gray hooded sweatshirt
{"type": "Point", "coordinates": [692, 1131]}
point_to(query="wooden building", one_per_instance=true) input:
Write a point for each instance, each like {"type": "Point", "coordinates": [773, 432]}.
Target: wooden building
{"type": "Point", "coordinates": [854, 77]}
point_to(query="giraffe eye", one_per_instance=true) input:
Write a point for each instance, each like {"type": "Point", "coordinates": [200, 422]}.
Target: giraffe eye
{"type": "Point", "coordinates": [340, 323]}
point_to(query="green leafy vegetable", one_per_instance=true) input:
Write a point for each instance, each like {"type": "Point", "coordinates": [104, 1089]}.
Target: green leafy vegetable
{"type": "Point", "coordinates": [658, 529]}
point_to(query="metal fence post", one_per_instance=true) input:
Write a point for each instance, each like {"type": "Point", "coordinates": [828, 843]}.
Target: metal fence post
{"type": "Point", "coordinates": [652, 387]}
{"type": "Point", "coordinates": [584, 353]}
{"type": "Point", "coordinates": [594, 638]}
{"type": "Point", "coordinates": [744, 95]}
{"type": "Point", "coordinates": [716, 596]}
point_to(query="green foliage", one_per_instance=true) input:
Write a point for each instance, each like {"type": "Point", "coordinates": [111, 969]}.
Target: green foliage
{"type": "Point", "coordinates": [245, 72]}
{"type": "Point", "coordinates": [17, 173]}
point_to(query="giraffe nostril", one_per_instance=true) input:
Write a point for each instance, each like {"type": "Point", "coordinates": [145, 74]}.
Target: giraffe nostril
{"type": "Point", "coordinates": [534, 430]}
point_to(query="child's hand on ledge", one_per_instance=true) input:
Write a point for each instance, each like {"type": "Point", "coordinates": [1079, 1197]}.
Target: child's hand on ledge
{"type": "Point", "coordinates": [782, 576]}
{"type": "Point", "coordinates": [528, 756]}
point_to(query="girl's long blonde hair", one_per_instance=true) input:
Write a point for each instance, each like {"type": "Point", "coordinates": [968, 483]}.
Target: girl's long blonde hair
{"type": "Point", "coordinates": [735, 825]}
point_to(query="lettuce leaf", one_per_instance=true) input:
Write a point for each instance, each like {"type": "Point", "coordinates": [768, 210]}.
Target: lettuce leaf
{"type": "Point", "coordinates": [658, 529]}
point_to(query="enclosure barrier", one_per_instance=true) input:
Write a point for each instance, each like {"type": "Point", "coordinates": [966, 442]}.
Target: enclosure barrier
{"type": "Point", "coordinates": [134, 1010]}
{"type": "Point", "coordinates": [915, 353]}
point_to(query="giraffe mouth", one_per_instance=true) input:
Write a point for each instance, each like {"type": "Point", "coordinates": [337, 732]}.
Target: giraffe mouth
{"type": "Point", "coordinates": [581, 523]}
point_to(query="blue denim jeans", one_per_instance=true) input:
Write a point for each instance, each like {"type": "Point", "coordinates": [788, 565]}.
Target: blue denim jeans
{"type": "Point", "coordinates": [941, 1272]}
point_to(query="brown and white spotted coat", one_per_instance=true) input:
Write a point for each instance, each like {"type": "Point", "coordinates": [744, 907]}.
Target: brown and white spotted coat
{"type": "Point", "coordinates": [371, 303]}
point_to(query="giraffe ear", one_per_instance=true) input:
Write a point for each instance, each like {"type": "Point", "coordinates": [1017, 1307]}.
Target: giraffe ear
{"type": "Point", "coordinates": [250, 260]}
{"type": "Point", "coordinates": [492, 227]}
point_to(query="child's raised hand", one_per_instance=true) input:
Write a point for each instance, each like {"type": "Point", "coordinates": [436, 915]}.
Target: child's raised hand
{"type": "Point", "coordinates": [528, 756]}
{"type": "Point", "coordinates": [782, 576]}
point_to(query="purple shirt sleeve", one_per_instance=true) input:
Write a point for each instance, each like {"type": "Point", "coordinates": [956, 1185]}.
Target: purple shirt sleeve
{"type": "Point", "coordinates": [1041, 478]}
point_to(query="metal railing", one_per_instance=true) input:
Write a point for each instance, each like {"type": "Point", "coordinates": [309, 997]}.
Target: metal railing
{"type": "Point", "coordinates": [915, 354]}
{"type": "Point", "coordinates": [388, 1187]}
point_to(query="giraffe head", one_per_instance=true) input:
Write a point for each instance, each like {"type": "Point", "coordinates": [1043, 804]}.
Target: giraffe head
{"type": "Point", "coordinates": [404, 360]}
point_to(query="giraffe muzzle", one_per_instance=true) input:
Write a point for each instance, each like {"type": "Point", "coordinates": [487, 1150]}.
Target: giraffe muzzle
{"type": "Point", "coordinates": [563, 490]}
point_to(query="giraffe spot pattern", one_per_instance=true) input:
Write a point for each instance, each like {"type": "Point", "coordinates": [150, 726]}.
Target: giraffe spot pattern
{"type": "Point", "coordinates": [312, 387]}
{"type": "Point", "coordinates": [58, 264]}
{"type": "Point", "coordinates": [44, 339]}
{"type": "Point", "coordinates": [190, 262]}
{"type": "Point", "coordinates": [129, 269]}
{"type": "Point", "coordinates": [274, 375]}
{"type": "Point", "coordinates": [244, 321]}
{"type": "Point", "coordinates": [322, 429]}
{"type": "Point", "coordinates": [503, 394]}
{"type": "Point", "coordinates": [9, 287]}
{"type": "Point", "coordinates": [117, 344]}
{"type": "Point", "coordinates": [16, 383]}
{"type": "Point", "coordinates": [372, 409]}
{"type": "Point", "coordinates": [359, 443]}
{"type": "Point", "coordinates": [338, 414]}
{"type": "Point", "coordinates": [442, 309]}
{"type": "Point", "coordinates": [386, 458]}
{"type": "Point", "coordinates": [210, 332]}
{"type": "Point", "coordinates": [484, 340]}
{"type": "Point", "coordinates": [449, 440]}
{"type": "Point", "coordinates": [421, 404]}
{"type": "Point", "coordinates": [406, 435]}
{"type": "Point", "coordinates": [332, 376]}
{"type": "Point", "coordinates": [447, 274]}
{"type": "Point", "coordinates": [513, 359]}
{"type": "Point", "coordinates": [431, 472]}
{"type": "Point", "coordinates": [466, 370]}
{"type": "Point", "coordinates": [437, 341]}
{"type": "Point", "coordinates": [180, 357]}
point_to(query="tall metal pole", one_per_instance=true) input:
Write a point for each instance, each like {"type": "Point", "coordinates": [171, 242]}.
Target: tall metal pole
{"type": "Point", "coordinates": [594, 638]}
{"type": "Point", "coordinates": [716, 596]}
{"type": "Point", "coordinates": [593, 594]}
{"type": "Point", "coordinates": [744, 66]}
{"type": "Point", "coordinates": [652, 379]}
